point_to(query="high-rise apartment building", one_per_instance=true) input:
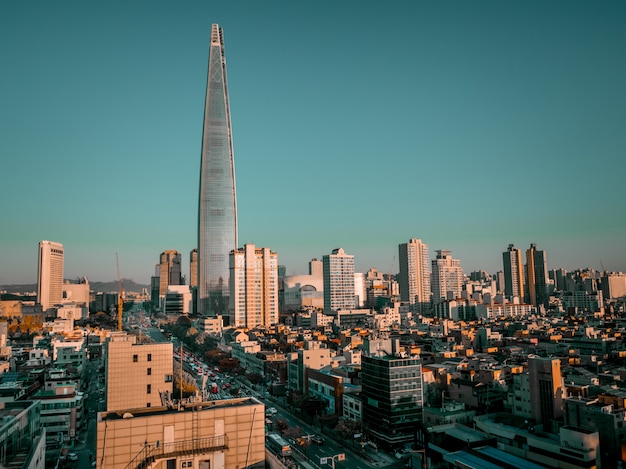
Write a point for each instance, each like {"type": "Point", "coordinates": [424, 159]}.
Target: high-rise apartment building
{"type": "Point", "coordinates": [136, 373]}
{"type": "Point", "coordinates": [338, 271]}
{"type": "Point", "coordinates": [169, 270]}
{"type": "Point", "coordinates": [546, 389]}
{"type": "Point", "coordinates": [253, 287]}
{"type": "Point", "coordinates": [613, 285]}
{"type": "Point", "coordinates": [414, 278]}
{"type": "Point", "coordinates": [447, 277]}
{"type": "Point", "coordinates": [217, 207]}
{"type": "Point", "coordinates": [50, 274]}
{"type": "Point", "coordinates": [537, 276]}
{"type": "Point", "coordinates": [513, 272]}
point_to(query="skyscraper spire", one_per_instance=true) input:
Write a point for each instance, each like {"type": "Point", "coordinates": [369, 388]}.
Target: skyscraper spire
{"type": "Point", "coordinates": [217, 207]}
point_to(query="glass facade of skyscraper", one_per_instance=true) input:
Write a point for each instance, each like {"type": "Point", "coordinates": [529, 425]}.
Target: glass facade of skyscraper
{"type": "Point", "coordinates": [217, 214]}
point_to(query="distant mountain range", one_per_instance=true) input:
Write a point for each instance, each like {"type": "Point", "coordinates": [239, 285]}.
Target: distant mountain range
{"type": "Point", "coordinates": [128, 284]}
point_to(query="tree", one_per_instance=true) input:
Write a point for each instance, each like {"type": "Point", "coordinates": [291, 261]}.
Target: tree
{"type": "Point", "coordinates": [281, 425]}
{"type": "Point", "coordinates": [295, 399]}
{"type": "Point", "coordinates": [254, 378]}
{"type": "Point", "coordinates": [329, 420]}
{"type": "Point", "coordinates": [229, 364]}
{"type": "Point", "coordinates": [346, 429]}
{"type": "Point", "coordinates": [183, 321]}
{"type": "Point", "coordinates": [312, 407]}
{"type": "Point", "coordinates": [292, 432]}
{"type": "Point", "coordinates": [215, 356]}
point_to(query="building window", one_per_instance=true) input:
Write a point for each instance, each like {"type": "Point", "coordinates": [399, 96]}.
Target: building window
{"type": "Point", "coordinates": [135, 358]}
{"type": "Point", "coordinates": [148, 404]}
{"type": "Point", "coordinates": [149, 357]}
{"type": "Point", "coordinates": [149, 371]}
{"type": "Point", "coordinates": [149, 389]}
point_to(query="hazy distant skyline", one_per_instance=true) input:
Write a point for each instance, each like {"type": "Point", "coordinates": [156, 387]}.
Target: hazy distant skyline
{"type": "Point", "coordinates": [356, 124]}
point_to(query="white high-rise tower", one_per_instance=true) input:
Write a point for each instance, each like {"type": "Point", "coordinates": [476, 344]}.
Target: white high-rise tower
{"type": "Point", "coordinates": [50, 274]}
{"type": "Point", "coordinates": [447, 276]}
{"type": "Point", "coordinates": [338, 274]}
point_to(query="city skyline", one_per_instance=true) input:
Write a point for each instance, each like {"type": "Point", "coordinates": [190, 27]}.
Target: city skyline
{"type": "Point", "coordinates": [469, 126]}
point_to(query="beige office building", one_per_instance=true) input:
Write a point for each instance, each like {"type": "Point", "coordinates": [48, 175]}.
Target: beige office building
{"type": "Point", "coordinates": [50, 274]}
{"type": "Point", "coordinates": [221, 434]}
{"type": "Point", "coordinates": [253, 287]}
{"type": "Point", "coordinates": [136, 373]}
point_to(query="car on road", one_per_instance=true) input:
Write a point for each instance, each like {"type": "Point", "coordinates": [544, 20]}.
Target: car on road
{"type": "Point", "coordinates": [272, 411]}
{"type": "Point", "coordinates": [318, 440]}
{"type": "Point", "coordinates": [72, 457]}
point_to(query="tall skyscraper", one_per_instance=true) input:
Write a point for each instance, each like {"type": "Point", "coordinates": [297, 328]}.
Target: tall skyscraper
{"type": "Point", "coordinates": [537, 272]}
{"type": "Point", "coordinates": [513, 272]}
{"type": "Point", "coordinates": [253, 287]}
{"type": "Point", "coordinates": [50, 274]}
{"type": "Point", "coordinates": [217, 207]}
{"type": "Point", "coordinates": [414, 278]}
{"type": "Point", "coordinates": [169, 270]}
{"type": "Point", "coordinates": [338, 271]}
{"type": "Point", "coordinates": [447, 277]}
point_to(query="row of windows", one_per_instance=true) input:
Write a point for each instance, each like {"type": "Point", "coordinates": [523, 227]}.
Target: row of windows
{"type": "Point", "coordinates": [136, 358]}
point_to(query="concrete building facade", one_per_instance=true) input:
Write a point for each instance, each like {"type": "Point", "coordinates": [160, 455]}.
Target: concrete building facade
{"type": "Point", "coordinates": [513, 272]}
{"type": "Point", "coordinates": [414, 276]}
{"type": "Point", "coordinates": [253, 287]}
{"type": "Point", "coordinates": [50, 274]}
{"type": "Point", "coordinates": [136, 374]}
{"type": "Point", "coordinates": [446, 277]}
{"type": "Point", "coordinates": [339, 291]}
{"type": "Point", "coordinates": [222, 434]}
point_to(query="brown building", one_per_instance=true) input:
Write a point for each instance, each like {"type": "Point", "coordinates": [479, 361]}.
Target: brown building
{"type": "Point", "coordinates": [219, 434]}
{"type": "Point", "coordinates": [136, 373]}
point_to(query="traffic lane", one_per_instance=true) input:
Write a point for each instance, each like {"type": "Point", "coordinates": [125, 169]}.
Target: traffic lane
{"type": "Point", "coordinates": [329, 448]}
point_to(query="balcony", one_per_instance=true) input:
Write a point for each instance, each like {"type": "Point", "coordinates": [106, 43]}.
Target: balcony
{"type": "Point", "coordinates": [151, 453]}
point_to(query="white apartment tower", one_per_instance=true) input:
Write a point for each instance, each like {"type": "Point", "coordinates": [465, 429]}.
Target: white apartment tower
{"type": "Point", "coordinates": [50, 274]}
{"type": "Point", "coordinates": [338, 273]}
{"type": "Point", "coordinates": [253, 287]}
{"type": "Point", "coordinates": [447, 277]}
{"type": "Point", "coordinates": [414, 275]}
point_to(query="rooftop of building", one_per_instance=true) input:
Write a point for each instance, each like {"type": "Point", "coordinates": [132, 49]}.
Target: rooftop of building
{"type": "Point", "coordinates": [176, 408]}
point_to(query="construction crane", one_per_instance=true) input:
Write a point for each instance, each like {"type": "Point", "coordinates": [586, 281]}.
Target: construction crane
{"type": "Point", "coordinates": [120, 295]}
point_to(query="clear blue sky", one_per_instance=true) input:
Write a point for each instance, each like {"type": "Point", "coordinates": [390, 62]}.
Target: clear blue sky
{"type": "Point", "coordinates": [356, 124]}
